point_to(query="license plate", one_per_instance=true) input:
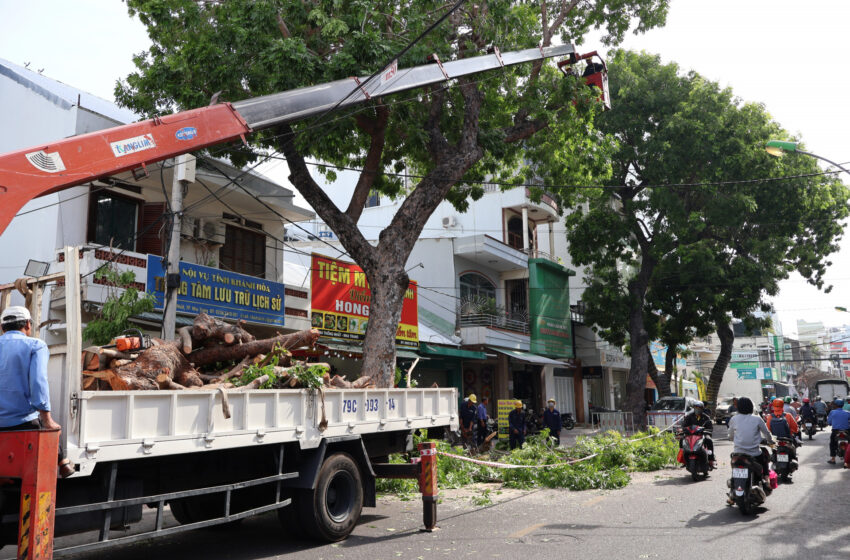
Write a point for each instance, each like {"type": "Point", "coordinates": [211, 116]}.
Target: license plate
{"type": "Point", "coordinates": [782, 458]}
{"type": "Point", "coordinates": [740, 473]}
{"type": "Point", "coordinates": [808, 425]}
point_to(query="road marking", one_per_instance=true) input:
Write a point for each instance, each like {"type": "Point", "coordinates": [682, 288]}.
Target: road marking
{"type": "Point", "coordinates": [523, 532]}
{"type": "Point", "coordinates": [593, 501]}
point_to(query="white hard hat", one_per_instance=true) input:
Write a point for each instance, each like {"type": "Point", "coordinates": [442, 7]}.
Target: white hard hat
{"type": "Point", "coordinates": [698, 404]}
{"type": "Point", "coordinates": [15, 314]}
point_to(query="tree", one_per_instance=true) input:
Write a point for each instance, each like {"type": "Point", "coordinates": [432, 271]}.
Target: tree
{"type": "Point", "coordinates": [680, 260]}
{"type": "Point", "coordinates": [513, 124]}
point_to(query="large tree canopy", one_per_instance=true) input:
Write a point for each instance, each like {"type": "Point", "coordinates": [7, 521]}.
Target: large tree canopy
{"type": "Point", "coordinates": [511, 124]}
{"type": "Point", "coordinates": [691, 233]}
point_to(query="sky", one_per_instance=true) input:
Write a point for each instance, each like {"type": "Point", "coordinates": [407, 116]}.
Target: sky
{"type": "Point", "coordinates": [791, 56]}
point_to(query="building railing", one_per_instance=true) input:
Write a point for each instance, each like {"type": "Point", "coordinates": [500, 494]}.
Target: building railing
{"type": "Point", "coordinates": [617, 421]}
{"type": "Point", "coordinates": [493, 321]}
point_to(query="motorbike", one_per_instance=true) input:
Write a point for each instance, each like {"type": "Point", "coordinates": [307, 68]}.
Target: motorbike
{"type": "Point", "coordinates": [533, 422]}
{"type": "Point", "coordinates": [746, 488]}
{"type": "Point", "coordinates": [810, 427]}
{"type": "Point", "coordinates": [567, 421]}
{"type": "Point", "coordinates": [784, 458]}
{"type": "Point", "coordinates": [821, 421]}
{"type": "Point", "coordinates": [694, 452]}
{"type": "Point", "coordinates": [841, 439]}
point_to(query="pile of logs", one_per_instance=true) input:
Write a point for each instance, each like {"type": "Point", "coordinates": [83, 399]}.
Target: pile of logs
{"type": "Point", "coordinates": [191, 362]}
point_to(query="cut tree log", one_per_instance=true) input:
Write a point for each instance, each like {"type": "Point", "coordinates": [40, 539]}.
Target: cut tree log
{"type": "Point", "coordinates": [185, 335]}
{"type": "Point", "coordinates": [207, 327]}
{"type": "Point", "coordinates": [364, 382]}
{"type": "Point", "coordinates": [165, 358]}
{"type": "Point", "coordinates": [165, 382]}
{"type": "Point", "coordinates": [255, 384]}
{"type": "Point", "coordinates": [207, 356]}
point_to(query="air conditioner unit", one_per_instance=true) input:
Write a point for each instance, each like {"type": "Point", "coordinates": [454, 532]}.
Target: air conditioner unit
{"type": "Point", "coordinates": [211, 230]}
{"type": "Point", "coordinates": [188, 225]}
{"type": "Point", "coordinates": [449, 221]}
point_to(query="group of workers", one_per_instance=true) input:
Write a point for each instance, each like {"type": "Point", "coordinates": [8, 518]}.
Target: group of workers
{"type": "Point", "coordinates": [474, 420]}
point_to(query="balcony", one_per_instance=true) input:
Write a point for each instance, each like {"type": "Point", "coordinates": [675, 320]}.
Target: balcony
{"type": "Point", "coordinates": [490, 253]}
{"type": "Point", "coordinates": [508, 322]}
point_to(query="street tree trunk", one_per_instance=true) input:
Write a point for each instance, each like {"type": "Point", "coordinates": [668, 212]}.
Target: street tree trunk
{"type": "Point", "coordinates": [639, 339]}
{"type": "Point", "coordinates": [727, 339]}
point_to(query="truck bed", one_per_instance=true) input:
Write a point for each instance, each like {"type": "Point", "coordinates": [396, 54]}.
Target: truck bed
{"type": "Point", "coordinates": [117, 425]}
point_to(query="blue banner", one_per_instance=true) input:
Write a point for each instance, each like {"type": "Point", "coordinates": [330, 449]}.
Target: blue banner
{"type": "Point", "coordinates": [219, 293]}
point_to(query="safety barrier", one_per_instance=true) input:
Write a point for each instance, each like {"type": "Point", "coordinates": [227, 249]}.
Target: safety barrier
{"type": "Point", "coordinates": [663, 420]}
{"type": "Point", "coordinates": [622, 422]}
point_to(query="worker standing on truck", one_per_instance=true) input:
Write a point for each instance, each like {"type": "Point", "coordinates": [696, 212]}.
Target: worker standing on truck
{"type": "Point", "coordinates": [24, 394]}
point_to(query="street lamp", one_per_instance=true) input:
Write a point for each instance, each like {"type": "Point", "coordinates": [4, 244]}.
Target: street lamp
{"type": "Point", "coordinates": [779, 147]}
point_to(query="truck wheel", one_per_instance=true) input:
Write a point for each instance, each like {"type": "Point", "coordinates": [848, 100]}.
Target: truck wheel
{"type": "Point", "coordinates": [331, 511]}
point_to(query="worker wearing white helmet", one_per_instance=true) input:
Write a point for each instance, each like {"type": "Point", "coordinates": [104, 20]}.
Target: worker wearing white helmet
{"type": "Point", "coordinates": [24, 394]}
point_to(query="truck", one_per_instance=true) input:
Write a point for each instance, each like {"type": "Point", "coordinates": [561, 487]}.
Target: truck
{"type": "Point", "coordinates": [209, 457]}
{"type": "Point", "coordinates": [831, 389]}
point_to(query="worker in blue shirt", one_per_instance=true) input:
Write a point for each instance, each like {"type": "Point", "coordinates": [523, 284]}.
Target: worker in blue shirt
{"type": "Point", "coordinates": [24, 394]}
{"type": "Point", "coordinates": [516, 426]}
{"type": "Point", "coordinates": [839, 419]}
{"type": "Point", "coordinates": [482, 419]}
{"type": "Point", "coordinates": [552, 420]}
{"type": "Point", "coordinates": [468, 414]}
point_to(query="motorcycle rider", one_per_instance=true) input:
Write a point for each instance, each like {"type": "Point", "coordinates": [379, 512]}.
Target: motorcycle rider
{"type": "Point", "coordinates": [788, 408]}
{"type": "Point", "coordinates": [807, 412]}
{"type": "Point", "coordinates": [839, 419]}
{"type": "Point", "coordinates": [782, 424]}
{"type": "Point", "coordinates": [820, 407]}
{"type": "Point", "coordinates": [699, 418]}
{"type": "Point", "coordinates": [746, 431]}
{"type": "Point", "coordinates": [795, 403]}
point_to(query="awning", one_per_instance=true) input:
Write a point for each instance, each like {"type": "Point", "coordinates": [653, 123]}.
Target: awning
{"type": "Point", "coordinates": [155, 317]}
{"type": "Point", "coordinates": [407, 354]}
{"type": "Point", "coordinates": [528, 357]}
{"type": "Point", "coordinates": [431, 336]}
{"type": "Point", "coordinates": [450, 352]}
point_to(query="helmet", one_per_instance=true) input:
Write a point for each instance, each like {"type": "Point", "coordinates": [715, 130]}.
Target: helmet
{"type": "Point", "coordinates": [795, 398]}
{"type": "Point", "coordinates": [818, 398]}
{"type": "Point", "coordinates": [517, 404]}
{"type": "Point", "coordinates": [847, 406]}
{"type": "Point", "coordinates": [787, 399]}
{"type": "Point", "coordinates": [699, 404]}
{"type": "Point", "coordinates": [806, 400]}
{"type": "Point", "coordinates": [15, 314]}
{"type": "Point", "coordinates": [551, 400]}
{"type": "Point", "coordinates": [839, 403]}
{"type": "Point", "coordinates": [778, 403]}
{"type": "Point", "coordinates": [473, 398]}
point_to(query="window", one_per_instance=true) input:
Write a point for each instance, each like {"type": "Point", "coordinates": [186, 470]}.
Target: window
{"type": "Point", "coordinates": [244, 251]}
{"type": "Point", "coordinates": [475, 287]}
{"type": "Point", "coordinates": [373, 200]}
{"type": "Point", "coordinates": [113, 220]}
{"type": "Point", "coordinates": [516, 293]}
{"type": "Point", "coordinates": [515, 233]}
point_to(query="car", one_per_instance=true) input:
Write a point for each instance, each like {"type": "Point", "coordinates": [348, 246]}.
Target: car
{"type": "Point", "coordinates": [724, 411]}
{"type": "Point", "coordinates": [684, 405]}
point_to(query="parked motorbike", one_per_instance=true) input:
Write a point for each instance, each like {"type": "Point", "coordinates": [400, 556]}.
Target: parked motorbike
{"type": "Point", "coordinates": [567, 421]}
{"type": "Point", "coordinates": [746, 488]}
{"type": "Point", "coordinates": [784, 458]}
{"type": "Point", "coordinates": [695, 454]}
{"type": "Point", "coordinates": [533, 422]}
{"type": "Point", "coordinates": [821, 421]}
{"type": "Point", "coordinates": [810, 427]}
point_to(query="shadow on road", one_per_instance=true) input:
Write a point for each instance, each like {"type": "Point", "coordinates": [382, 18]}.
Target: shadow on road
{"type": "Point", "coordinates": [727, 516]}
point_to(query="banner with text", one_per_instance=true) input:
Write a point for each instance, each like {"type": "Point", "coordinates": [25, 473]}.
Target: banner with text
{"type": "Point", "coordinates": [341, 300]}
{"type": "Point", "coordinates": [219, 293]}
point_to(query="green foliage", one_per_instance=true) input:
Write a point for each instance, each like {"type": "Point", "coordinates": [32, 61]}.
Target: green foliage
{"type": "Point", "coordinates": [124, 301]}
{"type": "Point", "coordinates": [611, 458]}
{"type": "Point", "coordinates": [308, 376]}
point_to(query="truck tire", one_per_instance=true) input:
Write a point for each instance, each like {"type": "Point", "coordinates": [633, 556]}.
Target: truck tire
{"type": "Point", "coordinates": [332, 509]}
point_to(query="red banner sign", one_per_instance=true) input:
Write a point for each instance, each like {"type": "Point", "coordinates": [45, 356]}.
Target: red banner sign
{"type": "Point", "coordinates": [341, 300]}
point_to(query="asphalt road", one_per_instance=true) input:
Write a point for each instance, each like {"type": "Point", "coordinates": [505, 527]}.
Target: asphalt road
{"type": "Point", "coordinates": [660, 515]}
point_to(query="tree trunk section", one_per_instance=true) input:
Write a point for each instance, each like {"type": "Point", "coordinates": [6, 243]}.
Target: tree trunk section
{"type": "Point", "coordinates": [388, 286]}
{"type": "Point", "coordinates": [162, 359]}
{"type": "Point", "coordinates": [639, 339]}
{"type": "Point", "coordinates": [207, 356]}
{"type": "Point", "coordinates": [727, 339]}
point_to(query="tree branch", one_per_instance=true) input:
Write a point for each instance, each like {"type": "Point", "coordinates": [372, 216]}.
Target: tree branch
{"type": "Point", "coordinates": [376, 128]}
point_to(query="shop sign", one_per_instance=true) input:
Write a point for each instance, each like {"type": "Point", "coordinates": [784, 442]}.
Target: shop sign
{"type": "Point", "coordinates": [746, 373]}
{"type": "Point", "coordinates": [341, 299]}
{"type": "Point", "coordinates": [219, 293]}
{"type": "Point", "coordinates": [615, 359]}
{"type": "Point", "coordinates": [503, 408]}
{"type": "Point", "coordinates": [744, 359]}
{"type": "Point", "coordinates": [550, 320]}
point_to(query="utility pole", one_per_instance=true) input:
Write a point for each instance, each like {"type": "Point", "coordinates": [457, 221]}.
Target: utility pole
{"type": "Point", "coordinates": [184, 173]}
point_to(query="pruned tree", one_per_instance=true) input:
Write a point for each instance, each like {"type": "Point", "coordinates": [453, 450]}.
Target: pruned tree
{"type": "Point", "coordinates": [513, 125]}
{"type": "Point", "coordinates": [691, 234]}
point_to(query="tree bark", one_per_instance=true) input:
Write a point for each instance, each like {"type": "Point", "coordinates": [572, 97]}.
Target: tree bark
{"type": "Point", "coordinates": [727, 339]}
{"type": "Point", "coordinates": [661, 380]}
{"type": "Point", "coordinates": [215, 354]}
{"type": "Point", "coordinates": [162, 359]}
{"type": "Point", "coordinates": [638, 336]}
{"type": "Point", "coordinates": [206, 327]}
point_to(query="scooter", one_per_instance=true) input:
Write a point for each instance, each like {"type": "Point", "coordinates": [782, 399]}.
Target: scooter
{"type": "Point", "coordinates": [694, 452]}
{"type": "Point", "coordinates": [784, 458]}
{"type": "Point", "coordinates": [810, 427]}
{"type": "Point", "coordinates": [567, 421]}
{"type": "Point", "coordinates": [821, 421]}
{"type": "Point", "coordinates": [841, 439]}
{"type": "Point", "coordinates": [746, 487]}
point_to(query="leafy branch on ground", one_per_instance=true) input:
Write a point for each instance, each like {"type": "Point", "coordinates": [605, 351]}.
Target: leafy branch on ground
{"type": "Point", "coordinates": [122, 302]}
{"type": "Point", "coordinates": [613, 457]}
{"type": "Point", "coordinates": [306, 375]}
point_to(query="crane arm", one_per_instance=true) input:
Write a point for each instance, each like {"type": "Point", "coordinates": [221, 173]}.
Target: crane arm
{"type": "Point", "coordinates": [40, 170]}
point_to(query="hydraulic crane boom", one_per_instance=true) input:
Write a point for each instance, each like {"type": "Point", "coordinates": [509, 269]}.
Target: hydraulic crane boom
{"type": "Point", "coordinates": [41, 170]}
